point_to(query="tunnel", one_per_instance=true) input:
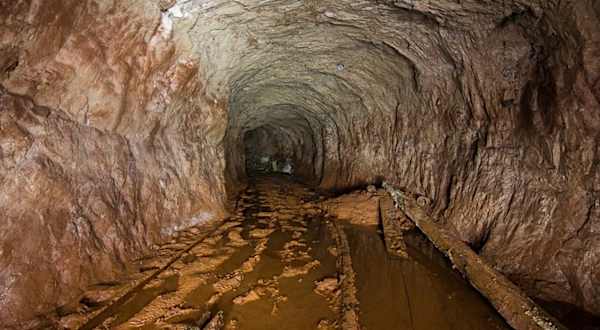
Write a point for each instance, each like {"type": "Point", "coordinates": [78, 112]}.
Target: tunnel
{"type": "Point", "coordinates": [312, 106]}
{"type": "Point", "coordinates": [379, 164]}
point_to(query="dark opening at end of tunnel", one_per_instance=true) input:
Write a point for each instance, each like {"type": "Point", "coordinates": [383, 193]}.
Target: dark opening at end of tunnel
{"type": "Point", "coordinates": [268, 153]}
{"type": "Point", "coordinates": [281, 139]}
{"type": "Point", "coordinates": [310, 119]}
{"type": "Point", "coordinates": [286, 148]}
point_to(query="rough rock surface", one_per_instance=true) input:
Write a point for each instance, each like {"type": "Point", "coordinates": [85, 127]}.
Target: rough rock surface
{"type": "Point", "coordinates": [104, 146]}
{"type": "Point", "coordinates": [121, 121]}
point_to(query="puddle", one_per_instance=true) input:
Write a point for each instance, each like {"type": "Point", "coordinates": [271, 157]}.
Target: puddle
{"type": "Point", "coordinates": [421, 292]}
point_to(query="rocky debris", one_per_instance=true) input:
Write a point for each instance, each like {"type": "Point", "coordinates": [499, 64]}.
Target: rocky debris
{"type": "Point", "coordinates": [294, 244]}
{"type": "Point", "coordinates": [194, 230]}
{"type": "Point", "coordinates": [312, 212]}
{"type": "Point", "coordinates": [213, 239]}
{"type": "Point", "coordinates": [260, 246]}
{"type": "Point", "coordinates": [216, 323]}
{"type": "Point", "coordinates": [266, 223]}
{"type": "Point", "coordinates": [278, 301]}
{"type": "Point", "coordinates": [295, 251]}
{"type": "Point", "coordinates": [309, 205]}
{"type": "Point", "coordinates": [295, 255]}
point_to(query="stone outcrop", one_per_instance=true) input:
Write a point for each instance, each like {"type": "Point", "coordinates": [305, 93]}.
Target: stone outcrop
{"type": "Point", "coordinates": [122, 121]}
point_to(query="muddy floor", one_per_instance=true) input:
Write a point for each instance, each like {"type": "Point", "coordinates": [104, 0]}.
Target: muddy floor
{"type": "Point", "coordinates": [278, 263]}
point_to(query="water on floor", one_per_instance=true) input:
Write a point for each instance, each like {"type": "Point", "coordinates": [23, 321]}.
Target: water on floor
{"type": "Point", "coordinates": [275, 265]}
{"type": "Point", "coordinates": [421, 292]}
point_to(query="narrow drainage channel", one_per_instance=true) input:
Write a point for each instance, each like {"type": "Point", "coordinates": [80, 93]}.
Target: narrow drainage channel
{"type": "Point", "coordinates": [420, 292]}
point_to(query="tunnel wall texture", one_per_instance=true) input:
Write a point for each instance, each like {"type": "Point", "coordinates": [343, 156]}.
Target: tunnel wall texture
{"type": "Point", "coordinates": [107, 142]}
{"type": "Point", "coordinates": [123, 121]}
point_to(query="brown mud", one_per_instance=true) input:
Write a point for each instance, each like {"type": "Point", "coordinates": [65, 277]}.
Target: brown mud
{"type": "Point", "coordinates": [280, 262]}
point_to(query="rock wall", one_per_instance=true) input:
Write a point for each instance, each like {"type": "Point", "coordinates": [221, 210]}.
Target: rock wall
{"type": "Point", "coordinates": [133, 114]}
{"type": "Point", "coordinates": [107, 145]}
{"type": "Point", "coordinates": [518, 175]}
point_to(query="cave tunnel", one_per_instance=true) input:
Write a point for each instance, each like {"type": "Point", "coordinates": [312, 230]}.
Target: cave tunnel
{"type": "Point", "coordinates": [216, 164]}
{"type": "Point", "coordinates": [303, 111]}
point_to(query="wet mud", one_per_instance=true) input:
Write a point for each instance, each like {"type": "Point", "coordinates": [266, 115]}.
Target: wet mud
{"type": "Point", "coordinates": [280, 263]}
